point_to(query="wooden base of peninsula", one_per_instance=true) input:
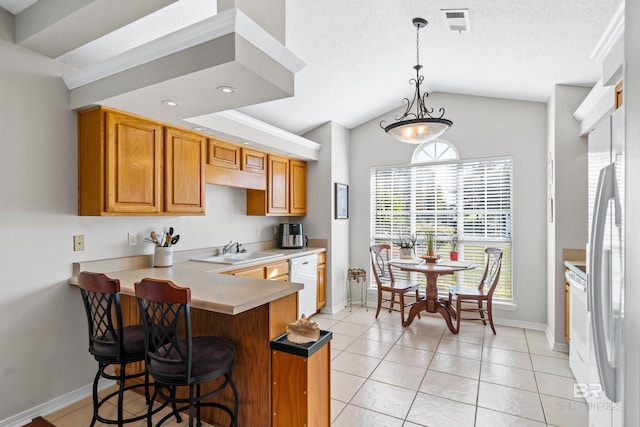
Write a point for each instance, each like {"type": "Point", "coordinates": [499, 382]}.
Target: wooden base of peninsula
{"type": "Point", "coordinates": [251, 332]}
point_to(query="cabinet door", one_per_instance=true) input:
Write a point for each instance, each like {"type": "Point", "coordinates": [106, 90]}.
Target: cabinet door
{"type": "Point", "coordinates": [257, 272]}
{"type": "Point", "coordinates": [184, 172]}
{"type": "Point", "coordinates": [253, 161]}
{"type": "Point", "coordinates": [278, 185]}
{"type": "Point", "coordinates": [298, 182]}
{"type": "Point", "coordinates": [133, 165]}
{"type": "Point", "coordinates": [321, 290]}
{"type": "Point", "coordinates": [223, 154]}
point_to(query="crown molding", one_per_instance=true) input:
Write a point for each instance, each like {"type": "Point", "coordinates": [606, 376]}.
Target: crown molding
{"type": "Point", "coordinates": [611, 35]}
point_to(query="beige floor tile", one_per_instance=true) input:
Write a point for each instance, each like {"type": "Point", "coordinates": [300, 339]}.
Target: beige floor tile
{"type": "Point", "coordinates": [419, 341]}
{"type": "Point", "coordinates": [465, 335]}
{"type": "Point", "coordinates": [509, 376]}
{"type": "Point", "coordinates": [558, 386]}
{"type": "Point", "coordinates": [344, 386]}
{"type": "Point", "coordinates": [566, 413]}
{"type": "Point", "coordinates": [349, 329]}
{"type": "Point", "coordinates": [324, 323]}
{"type": "Point", "coordinates": [455, 365]}
{"type": "Point", "coordinates": [88, 401]}
{"type": "Point", "coordinates": [506, 331]}
{"type": "Point", "coordinates": [488, 418]}
{"type": "Point", "coordinates": [336, 407]}
{"type": "Point", "coordinates": [542, 348]}
{"type": "Point", "coordinates": [355, 364]}
{"type": "Point", "coordinates": [353, 416]}
{"type": "Point", "coordinates": [370, 348]}
{"type": "Point", "coordinates": [333, 316]}
{"type": "Point", "coordinates": [521, 403]}
{"type": "Point", "coordinates": [459, 348]}
{"type": "Point", "coordinates": [450, 386]}
{"type": "Point", "coordinates": [436, 411]}
{"type": "Point", "coordinates": [506, 342]}
{"type": "Point", "coordinates": [409, 356]}
{"type": "Point", "coordinates": [334, 352]}
{"type": "Point", "coordinates": [398, 374]}
{"type": "Point", "coordinates": [360, 318]}
{"type": "Point", "coordinates": [386, 398]}
{"type": "Point", "coordinates": [551, 365]}
{"type": "Point", "coordinates": [380, 334]}
{"type": "Point", "coordinates": [340, 341]}
{"type": "Point", "coordinates": [502, 356]}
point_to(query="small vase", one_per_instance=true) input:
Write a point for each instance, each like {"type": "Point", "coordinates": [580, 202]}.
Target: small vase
{"type": "Point", "coordinates": [406, 253]}
{"type": "Point", "coordinates": [163, 256]}
{"type": "Point", "coordinates": [453, 255]}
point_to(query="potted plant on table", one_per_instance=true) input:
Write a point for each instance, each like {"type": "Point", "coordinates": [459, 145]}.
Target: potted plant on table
{"type": "Point", "coordinates": [407, 244]}
{"type": "Point", "coordinates": [453, 241]}
{"type": "Point", "coordinates": [431, 243]}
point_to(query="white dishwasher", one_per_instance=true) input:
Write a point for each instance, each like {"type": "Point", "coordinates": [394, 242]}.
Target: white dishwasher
{"type": "Point", "coordinates": [304, 270]}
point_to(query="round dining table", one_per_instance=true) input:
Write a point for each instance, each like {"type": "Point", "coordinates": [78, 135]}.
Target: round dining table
{"type": "Point", "coordinates": [431, 303]}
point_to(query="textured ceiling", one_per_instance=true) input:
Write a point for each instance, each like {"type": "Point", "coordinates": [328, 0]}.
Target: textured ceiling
{"type": "Point", "coordinates": [359, 53]}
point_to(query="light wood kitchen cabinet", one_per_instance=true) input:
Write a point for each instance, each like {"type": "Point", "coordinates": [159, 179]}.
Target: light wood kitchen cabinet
{"type": "Point", "coordinates": [278, 270]}
{"type": "Point", "coordinates": [321, 290]}
{"type": "Point", "coordinates": [235, 166]}
{"type": "Point", "coordinates": [298, 187]}
{"type": "Point", "coordinates": [184, 172]}
{"type": "Point", "coordinates": [127, 165]}
{"type": "Point", "coordinates": [286, 190]}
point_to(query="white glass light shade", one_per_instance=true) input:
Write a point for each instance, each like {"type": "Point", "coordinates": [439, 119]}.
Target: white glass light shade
{"type": "Point", "coordinates": [418, 131]}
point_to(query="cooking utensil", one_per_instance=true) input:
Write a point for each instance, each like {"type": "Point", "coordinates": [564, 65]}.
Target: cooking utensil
{"type": "Point", "coordinates": [167, 240]}
{"type": "Point", "coordinates": [175, 239]}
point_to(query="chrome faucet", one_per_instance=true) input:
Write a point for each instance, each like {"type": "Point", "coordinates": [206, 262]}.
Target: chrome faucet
{"type": "Point", "coordinates": [226, 248]}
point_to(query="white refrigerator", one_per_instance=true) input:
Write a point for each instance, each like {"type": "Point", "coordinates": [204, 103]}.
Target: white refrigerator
{"type": "Point", "coordinates": [605, 272]}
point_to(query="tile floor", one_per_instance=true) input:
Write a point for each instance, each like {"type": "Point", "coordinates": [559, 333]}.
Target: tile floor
{"type": "Point", "coordinates": [385, 375]}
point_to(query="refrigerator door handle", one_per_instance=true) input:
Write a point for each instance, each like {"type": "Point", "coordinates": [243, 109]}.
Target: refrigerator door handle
{"type": "Point", "coordinates": [605, 192]}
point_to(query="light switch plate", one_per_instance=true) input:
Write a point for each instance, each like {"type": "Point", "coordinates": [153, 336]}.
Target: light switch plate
{"type": "Point", "coordinates": [133, 238]}
{"type": "Point", "coordinates": [78, 242]}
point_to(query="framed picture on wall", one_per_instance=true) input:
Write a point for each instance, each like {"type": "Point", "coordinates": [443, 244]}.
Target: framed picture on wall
{"type": "Point", "coordinates": [342, 201]}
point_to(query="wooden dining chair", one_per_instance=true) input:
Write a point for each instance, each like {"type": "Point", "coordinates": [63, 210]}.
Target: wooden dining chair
{"type": "Point", "coordinates": [481, 296]}
{"type": "Point", "coordinates": [388, 287]}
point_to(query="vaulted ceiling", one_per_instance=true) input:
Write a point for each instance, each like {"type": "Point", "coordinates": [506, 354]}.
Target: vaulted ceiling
{"type": "Point", "coordinates": [346, 61]}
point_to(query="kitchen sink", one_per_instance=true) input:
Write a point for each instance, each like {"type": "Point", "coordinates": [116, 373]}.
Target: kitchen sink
{"type": "Point", "coordinates": [240, 257]}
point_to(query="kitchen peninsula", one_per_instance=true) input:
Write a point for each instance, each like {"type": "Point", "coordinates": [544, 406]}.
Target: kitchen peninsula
{"type": "Point", "coordinates": [249, 311]}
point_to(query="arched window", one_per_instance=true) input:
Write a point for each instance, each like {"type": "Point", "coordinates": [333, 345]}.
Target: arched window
{"type": "Point", "coordinates": [434, 151]}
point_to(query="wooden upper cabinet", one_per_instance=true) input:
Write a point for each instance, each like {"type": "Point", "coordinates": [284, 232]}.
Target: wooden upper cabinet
{"type": "Point", "coordinates": [223, 154]}
{"type": "Point", "coordinates": [184, 171]}
{"type": "Point", "coordinates": [298, 187]}
{"type": "Point", "coordinates": [286, 192]}
{"type": "Point", "coordinates": [253, 161]}
{"type": "Point", "coordinates": [277, 185]}
{"type": "Point", "coordinates": [128, 165]}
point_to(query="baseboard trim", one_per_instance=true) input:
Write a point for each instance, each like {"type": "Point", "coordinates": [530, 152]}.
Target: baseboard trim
{"type": "Point", "coordinates": [53, 405]}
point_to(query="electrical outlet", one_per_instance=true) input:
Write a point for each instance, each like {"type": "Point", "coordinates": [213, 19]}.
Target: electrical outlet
{"type": "Point", "coordinates": [258, 230]}
{"type": "Point", "coordinates": [133, 238]}
{"type": "Point", "coordinates": [78, 242]}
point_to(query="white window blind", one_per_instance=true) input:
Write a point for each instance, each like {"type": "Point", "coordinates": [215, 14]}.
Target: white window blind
{"type": "Point", "coordinates": [471, 198]}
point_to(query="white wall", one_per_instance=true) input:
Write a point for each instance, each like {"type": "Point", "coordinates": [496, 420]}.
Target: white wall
{"type": "Point", "coordinates": [44, 352]}
{"type": "Point", "coordinates": [569, 189]}
{"type": "Point", "coordinates": [333, 166]}
{"type": "Point", "coordinates": [482, 127]}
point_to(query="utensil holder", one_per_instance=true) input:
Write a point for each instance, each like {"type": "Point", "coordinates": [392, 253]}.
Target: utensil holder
{"type": "Point", "coordinates": [163, 256]}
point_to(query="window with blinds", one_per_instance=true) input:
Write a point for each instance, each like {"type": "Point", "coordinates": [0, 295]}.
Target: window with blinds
{"type": "Point", "coordinates": [471, 198]}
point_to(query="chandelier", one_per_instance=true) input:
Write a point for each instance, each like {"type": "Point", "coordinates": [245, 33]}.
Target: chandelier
{"type": "Point", "coordinates": [422, 125]}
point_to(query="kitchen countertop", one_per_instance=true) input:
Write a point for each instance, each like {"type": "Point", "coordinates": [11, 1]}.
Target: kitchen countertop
{"type": "Point", "coordinates": [210, 290]}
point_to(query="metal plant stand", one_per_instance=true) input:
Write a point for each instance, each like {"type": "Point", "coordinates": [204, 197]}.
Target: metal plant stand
{"type": "Point", "coordinates": [358, 275]}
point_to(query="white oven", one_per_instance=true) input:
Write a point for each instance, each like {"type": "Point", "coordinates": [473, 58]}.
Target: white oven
{"type": "Point", "coordinates": [579, 327]}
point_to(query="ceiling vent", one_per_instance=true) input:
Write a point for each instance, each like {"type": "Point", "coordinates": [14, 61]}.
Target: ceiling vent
{"type": "Point", "coordinates": [457, 19]}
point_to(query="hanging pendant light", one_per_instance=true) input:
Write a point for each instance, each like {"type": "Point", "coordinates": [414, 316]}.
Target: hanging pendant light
{"type": "Point", "coordinates": [419, 126]}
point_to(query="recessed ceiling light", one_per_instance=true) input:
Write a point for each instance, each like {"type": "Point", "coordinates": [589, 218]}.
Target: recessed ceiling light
{"type": "Point", "coordinates": [170, 103]}
{"type": "Point", "coordinates": [198, 129]}
{"type": "Point", "coordinates": [226, 89]}
{"type": "Point", "coordinates": [246, 142]}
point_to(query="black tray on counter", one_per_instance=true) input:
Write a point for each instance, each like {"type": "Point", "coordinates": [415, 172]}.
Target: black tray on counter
{"type": "Point", "coordinates": [283, 344]}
